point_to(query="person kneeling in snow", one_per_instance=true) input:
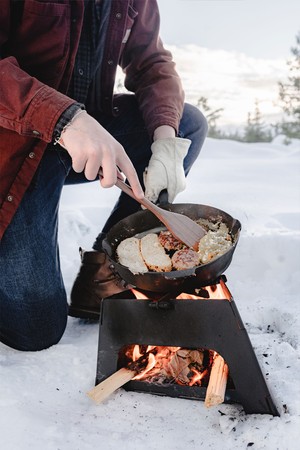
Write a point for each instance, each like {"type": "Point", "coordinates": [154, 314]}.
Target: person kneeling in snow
{"type": "Point", "coordinates": [60, 123]}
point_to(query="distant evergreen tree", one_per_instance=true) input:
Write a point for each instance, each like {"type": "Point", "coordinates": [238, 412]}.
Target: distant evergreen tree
{"type": "Point", "coordinates": [233, 136]}
{"type": "Point", "coordinates": [256, 130]}
{"type": "Point", "coordinates": [289, 94]}
{"type": "Point", "coordinates": [211, 116]}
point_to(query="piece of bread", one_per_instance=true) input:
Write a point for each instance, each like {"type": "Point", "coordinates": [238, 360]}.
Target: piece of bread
{"type": "Point", "coordinates": [129, 254]}
{"type": "Point", "coordinates": [154, 254]}
{"type": "Point", "coordinates": [169, 242]}
{"type": "Point", "coordinates": [184, 259]}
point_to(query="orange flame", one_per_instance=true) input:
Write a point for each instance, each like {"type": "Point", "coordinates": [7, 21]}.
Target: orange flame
{"type": "Point", "coordinates": [159, 365]}
{"type": "Point", "coordinates": [197, 376]}
{"type": "Point", "coordinates": [184, 296]}
{"type": "Point", "coordinates": [216, 292]}
{"type": "Point", "coordinates": [136, 354]}
{"type": "Point", "coordinates": [139, 295]}
{"type": "Point", "coordinates": [150, 365]}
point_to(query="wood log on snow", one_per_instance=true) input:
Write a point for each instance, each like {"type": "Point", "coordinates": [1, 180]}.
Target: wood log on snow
{"type": "Point", "coordinates": [215, 392]}
{"type": "Point", "coordinates": [104, 389]}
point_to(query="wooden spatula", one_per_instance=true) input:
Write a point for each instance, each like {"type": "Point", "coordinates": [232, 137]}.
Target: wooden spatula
{"type": "Point", "coordinates": [182, 227]}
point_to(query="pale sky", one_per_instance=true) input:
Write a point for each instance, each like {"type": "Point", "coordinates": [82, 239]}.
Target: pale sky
{"type": "Point", "coordinates": [258, 28]}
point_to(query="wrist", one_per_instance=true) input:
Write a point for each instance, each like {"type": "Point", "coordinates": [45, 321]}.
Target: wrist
{"type": "Point", "coordinates": [59, 140]}
{"type": "Point", "coordinates": [164, 132]}
{"type": "Point", "coordinates": [66, 119]}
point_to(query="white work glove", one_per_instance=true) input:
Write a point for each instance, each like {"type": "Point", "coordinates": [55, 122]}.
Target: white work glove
{"type": "Point", "coordinates": [165, 169]}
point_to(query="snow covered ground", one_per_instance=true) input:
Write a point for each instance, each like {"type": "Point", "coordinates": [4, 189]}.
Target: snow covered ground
{"type": "Point", "coordinates": [43, 394]}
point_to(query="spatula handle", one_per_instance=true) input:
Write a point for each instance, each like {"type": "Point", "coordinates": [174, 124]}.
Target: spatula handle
{"type": "Point", "coordinates": [143, 201]}
{"type": "Point", "coordinates": [127, 189]}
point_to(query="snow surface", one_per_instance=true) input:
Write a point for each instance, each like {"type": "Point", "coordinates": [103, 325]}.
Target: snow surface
{"type": "Point", "coordinates": [43, 394]}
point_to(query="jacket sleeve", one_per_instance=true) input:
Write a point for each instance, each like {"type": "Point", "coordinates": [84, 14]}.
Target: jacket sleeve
{"type": "Point", "coordinates": [150, 71]}
{"type": "Point", "coordinates": [27, 106]}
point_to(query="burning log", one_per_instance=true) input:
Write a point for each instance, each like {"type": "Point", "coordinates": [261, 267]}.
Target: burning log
{"type": "Point", "coordinates": [215, 391]}
{"type": "Point", "coordinates": [104, 389]}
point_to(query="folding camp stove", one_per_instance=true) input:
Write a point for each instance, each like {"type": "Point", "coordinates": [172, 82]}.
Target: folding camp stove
{"type": "Point", "coordinates": [205, 318]}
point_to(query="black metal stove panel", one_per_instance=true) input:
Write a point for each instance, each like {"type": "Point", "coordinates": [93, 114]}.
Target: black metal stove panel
{"type": "Point", "coordinates": [212, 324]}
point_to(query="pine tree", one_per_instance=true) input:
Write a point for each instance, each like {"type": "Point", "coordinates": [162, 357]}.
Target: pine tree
{"type": "Point", "coordinates": [211, 116]}
{"type": "Point", "coordinates": [289, 94]}
{"type": "Point", "coordinates": [256, 131]}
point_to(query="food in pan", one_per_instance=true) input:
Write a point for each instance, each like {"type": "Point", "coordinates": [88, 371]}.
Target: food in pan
{"type": "Point", "coordinates": [185, 259]}
{"type": "Point", "coordinates": [214, 243]}
{"type": "Point", "coordinates": [154, 254]}
{"type": "Point", "coordinates": [161, 252]}
{"type": "Point", "coordinates": [129, 255]}
{"type": "Point", "coordinates": [169, 242]}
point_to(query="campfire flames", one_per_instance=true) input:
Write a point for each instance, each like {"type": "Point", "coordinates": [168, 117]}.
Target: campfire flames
{"type": "Point", "coordinates": [186, 367]}
{"type": "Point", "coordinates": [172, 364]}
{"type": "Point", "coordinates": [216, 292]}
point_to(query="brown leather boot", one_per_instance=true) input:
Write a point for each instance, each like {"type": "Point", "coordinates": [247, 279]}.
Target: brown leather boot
{"type": "Point", "coordinates": [95, 281]}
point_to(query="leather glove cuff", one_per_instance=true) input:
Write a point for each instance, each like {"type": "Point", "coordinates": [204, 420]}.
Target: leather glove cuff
{"type": "Point", "coordinates": [165, 170]}
{"type": "Point", "coordinates": [171, 147]}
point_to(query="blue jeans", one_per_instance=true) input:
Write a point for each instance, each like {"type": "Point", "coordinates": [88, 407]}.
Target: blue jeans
{"type": "Point", "coordinates": [33, 303]}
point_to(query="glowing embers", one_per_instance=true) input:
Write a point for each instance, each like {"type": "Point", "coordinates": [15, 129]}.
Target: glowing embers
{"type": "Point", "coordinates": [181, 366]}
{"type": "Point", "coordinates": [168, 365]}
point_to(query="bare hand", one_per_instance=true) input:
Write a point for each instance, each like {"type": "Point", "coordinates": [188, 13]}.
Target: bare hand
{"type": "Point", "coordinates": [91, 147]}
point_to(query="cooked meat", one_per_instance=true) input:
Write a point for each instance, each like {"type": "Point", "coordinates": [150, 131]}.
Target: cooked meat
{"type": "Point", "coordinates": [129, 255]}
{"type": "Point", "coordinates": [169, 242]}
{"type": "Point", "coordinates": [214, 244]}
{"type": "Point", "coordinates": [184, 259]}
{"type": "Point", "coordinates": [154, 254]}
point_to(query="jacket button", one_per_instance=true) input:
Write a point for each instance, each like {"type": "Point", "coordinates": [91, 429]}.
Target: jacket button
{"type": "Point", "coordinates": [119, 16]}
{"type": "Point", "coordinates": [10, 198]}
{"type": "Point", "coordinates": [110, 62]}
{"type": "Point", "coordinates": [31, 155]}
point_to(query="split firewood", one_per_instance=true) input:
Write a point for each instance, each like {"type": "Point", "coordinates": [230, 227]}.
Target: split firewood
{"type": "Point", "coordinates": [104, 389]}
{"type": "Point", "coordinates": [215, 392]}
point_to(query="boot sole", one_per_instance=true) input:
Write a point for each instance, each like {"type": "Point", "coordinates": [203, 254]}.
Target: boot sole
{"type": "Point", "coordinates": [82, 313]}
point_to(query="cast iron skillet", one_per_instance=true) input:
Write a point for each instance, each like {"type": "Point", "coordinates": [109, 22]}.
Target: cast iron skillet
{"type": "Point", "coordinates": [143, 221]}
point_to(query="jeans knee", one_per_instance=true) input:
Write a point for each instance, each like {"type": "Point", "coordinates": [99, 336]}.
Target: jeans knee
{"type": "Point", "coordinates": [194, 121]}
{"type": "Point", "coordinates": [203, 125]}
{"type": "Point", "coordinates": [193, 126]}
{"type": "Point", "coordinates": [35, 328]}
{"type": "Point", "coordinates": [32, 341]}
{"type": "Point", "coordinates": [51, 335]}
